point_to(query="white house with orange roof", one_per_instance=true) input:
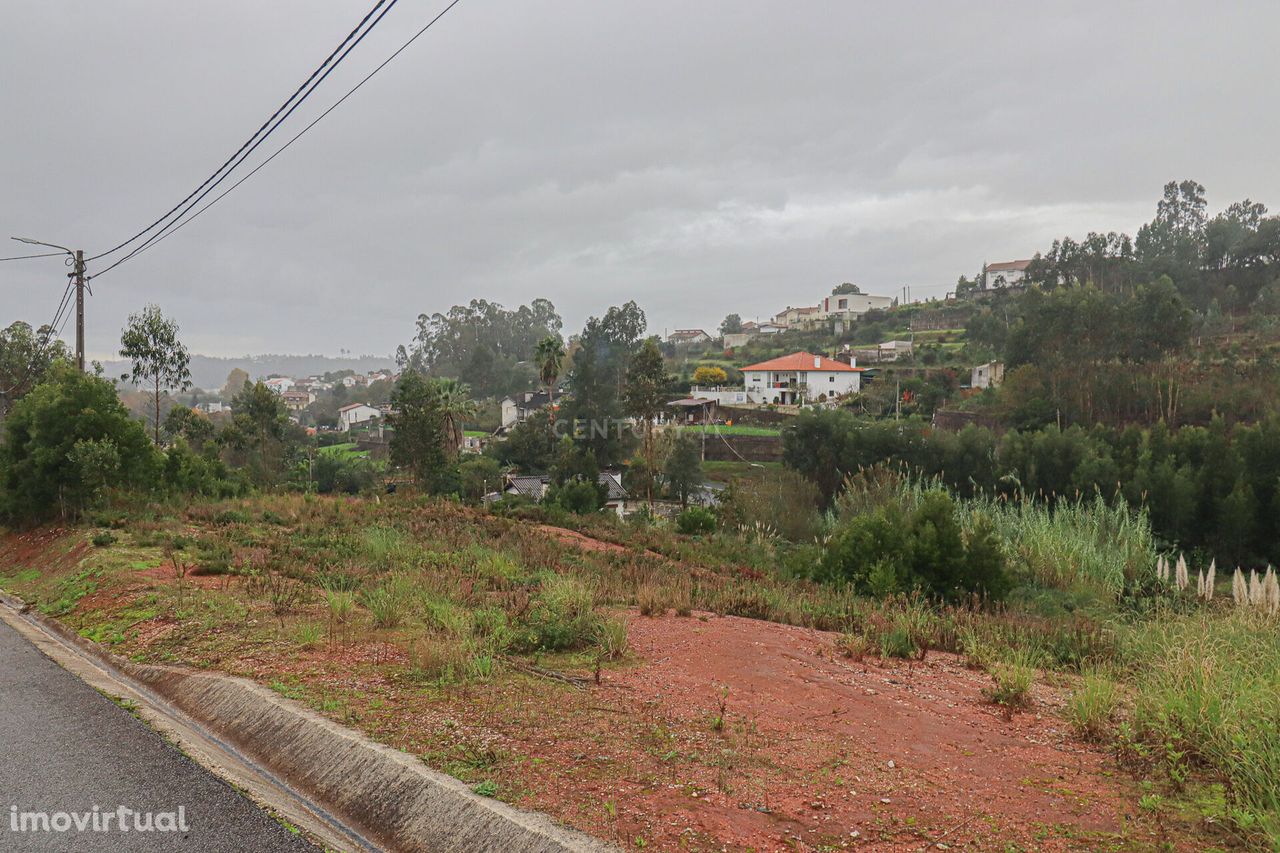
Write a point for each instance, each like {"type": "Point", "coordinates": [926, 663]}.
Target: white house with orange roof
{"type": "Point", "coordinates": [800, 378]}
{"type": "Point", "coordinates": [1004, 274]}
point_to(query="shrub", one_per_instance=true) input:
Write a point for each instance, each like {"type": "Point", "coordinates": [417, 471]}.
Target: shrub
{"type": "Point", "coordinates": [576, 496]}
{"type": "Point", "coordinates": [696, 520]}
{"type": "Point", "coordinates": [103, 538]}
{"type": "Point", "coordinates": [925, 547]}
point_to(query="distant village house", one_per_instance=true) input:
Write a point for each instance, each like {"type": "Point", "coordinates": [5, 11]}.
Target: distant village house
{"type": "Point", "coordinates": [1004, 274]}
{"type": "Point", "coordinates": [354, 414]}
{"type": "Point", "coordinates": [800, 378]}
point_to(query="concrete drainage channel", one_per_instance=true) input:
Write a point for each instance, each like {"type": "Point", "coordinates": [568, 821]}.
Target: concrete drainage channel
{"type": "Point", "coordinates": [342, 789]}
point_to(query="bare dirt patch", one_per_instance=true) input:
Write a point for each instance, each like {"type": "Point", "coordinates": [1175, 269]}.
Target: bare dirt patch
{"type": "Point", "coordinates": [578, 540]}
{"type": "Point", "coordinates": [729, 733]}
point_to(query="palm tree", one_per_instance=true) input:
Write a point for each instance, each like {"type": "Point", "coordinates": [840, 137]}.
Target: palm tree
{"type": "Point", "coordinates": [456, 406]}
{"type": "Point", "coordinates": [549, 354]}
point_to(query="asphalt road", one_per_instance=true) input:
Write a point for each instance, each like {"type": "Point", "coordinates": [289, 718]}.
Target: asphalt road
{"type": "Point", "coordinates": [65, 748]}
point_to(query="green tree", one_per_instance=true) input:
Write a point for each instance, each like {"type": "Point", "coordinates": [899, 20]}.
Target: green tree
{"type": "Point", "coordinates": [40, 467]}
{"type": "Point", "coordinates": [188, 424]}
{"type": "Point", "coordinates": [97, 462]}
{"type": "Point", "coordinates": [683, 468]}
{"type": "Point", "coordinates": [646, 396]}
{"type": "Point", "coordinates": [422, 433]}
{"type": "Point", "coordinates": [477, 476]}
{"type": "Point", "coordinates": [236, 380]}
{"type": "Point", "coordinates": [453, 399]}
{"type": "Point", "coordinates": [531, 445]}
{"type": "Point", "coordinates": [150, 342]}
{"type": "Point", "coordinates": [258, 437]}
{"type": "Point", "coordinates": [599, 373]}
{"type": "Point", "coordinates": [25, 357]}
{"type": "Point", "coordinates": [731, 325]}
{"type": "Point", "coordinates": [549, 356]}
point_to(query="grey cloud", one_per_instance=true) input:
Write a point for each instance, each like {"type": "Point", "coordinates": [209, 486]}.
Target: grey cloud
{"type": "Point", "coordinates": [708, 157]}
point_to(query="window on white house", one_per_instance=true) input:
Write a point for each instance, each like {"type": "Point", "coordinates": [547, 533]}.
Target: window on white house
{"type": "Point", "coordinates": [831, 378]}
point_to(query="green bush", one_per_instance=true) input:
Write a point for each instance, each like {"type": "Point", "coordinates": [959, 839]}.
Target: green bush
{"type": "Point", "coordinates": [577, 496]}
{"type": "Point", "coordinates": [696, 520]}
{"type": "Point", "coordinates": [925, 547]}
{"type": "Point", "coordinates": [103, 538]}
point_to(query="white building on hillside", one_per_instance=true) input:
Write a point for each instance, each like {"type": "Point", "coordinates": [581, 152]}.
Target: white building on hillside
{"type": "Point", "coordinates": [356, 413]}
{"type": "Point", "coordinates": [799, 378]}
{"type": "Point", "coordinates": [1004, 274]}
{"type": "Point", "coordinates": [844, 308]}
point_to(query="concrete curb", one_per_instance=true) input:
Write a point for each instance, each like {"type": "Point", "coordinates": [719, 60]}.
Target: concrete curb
{"type": "Point", "coordinates": [378, 797]}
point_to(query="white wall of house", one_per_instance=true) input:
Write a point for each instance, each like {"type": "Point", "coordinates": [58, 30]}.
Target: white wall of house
{"type": "Point", "coordinates": [347, 418]}
{"type": "Point", "coordinates": [850, 305]}
{"type": "Point", "coordinates": [987, 375]}
{"type": "Point", "coordinates": [720, 395]}
{"type": "Point", "coordinates": [793, 387]}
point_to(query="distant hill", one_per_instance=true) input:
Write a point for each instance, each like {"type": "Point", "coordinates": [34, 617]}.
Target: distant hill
{"type": "Point", "coordinates": [210, 373]}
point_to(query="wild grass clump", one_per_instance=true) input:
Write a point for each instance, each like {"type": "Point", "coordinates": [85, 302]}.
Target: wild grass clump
{"type": "Point", "coordinates": [612, 638]}
{"type": "Point", "coordinates": [1092, 707]}
{"type": "Point", "coordinates": [387, 548]}
{"type": "Point", "coordinates": [309, 634]}
{"type": "Point", "coordinates": [854, 646]}
{"type": "Point", "coordinates": [561, 617]}
{"type": "Point", "coordinates": [1011, 680]}
{"type": "Point", "coordinates": [389, 602]}
{"type": "Point", "coordinates": [438, 658]}
{"type": "Point", "coordinates": [341, 606]}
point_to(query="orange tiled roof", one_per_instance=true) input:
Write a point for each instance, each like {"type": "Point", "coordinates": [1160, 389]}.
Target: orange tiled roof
{"type": "Point", "coordinates": [803, 361]}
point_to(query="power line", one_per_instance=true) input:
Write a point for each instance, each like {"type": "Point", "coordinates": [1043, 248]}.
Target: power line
{"type": "Point", "coordinates": [171, 228]}
{"type": "Point", "coordinates": [235, 159]}
{"type": "Point", "coordinates": [171, 225]}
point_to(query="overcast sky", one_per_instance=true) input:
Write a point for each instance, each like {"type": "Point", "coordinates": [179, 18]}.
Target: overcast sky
{"type": "Point", "coordinates": [698, 156]}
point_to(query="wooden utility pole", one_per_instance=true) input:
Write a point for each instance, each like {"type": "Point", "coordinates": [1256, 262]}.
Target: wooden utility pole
{"type": "Point", "coordinates": [78, 276]}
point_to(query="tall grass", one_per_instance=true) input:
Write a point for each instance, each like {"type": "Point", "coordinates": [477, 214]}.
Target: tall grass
{"type": "Point", "coordinates": [1090, 542]}
{"type": "Point", "coordinates": [1207, 695]}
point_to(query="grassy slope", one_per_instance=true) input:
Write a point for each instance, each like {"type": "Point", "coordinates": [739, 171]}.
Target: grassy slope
{"type": "Point", "coordinates": [454, 595]}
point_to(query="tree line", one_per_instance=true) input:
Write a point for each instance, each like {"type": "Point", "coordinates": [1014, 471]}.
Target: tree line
{"type": "Point", "coordinates": [1214, 488]}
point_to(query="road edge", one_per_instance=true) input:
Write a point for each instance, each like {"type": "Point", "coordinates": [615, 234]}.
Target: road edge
{"type": "Point", "coordinates": [342, 789]}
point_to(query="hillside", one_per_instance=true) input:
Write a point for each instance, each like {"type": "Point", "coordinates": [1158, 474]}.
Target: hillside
{"type": "Point", "coordinates": [210, 372]}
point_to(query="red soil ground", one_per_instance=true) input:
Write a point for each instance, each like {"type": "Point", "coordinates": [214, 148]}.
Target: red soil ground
{"type": "Point", "coordinates": [895, 756]}
{"type": "Point", "coordinates": [815, 751]}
